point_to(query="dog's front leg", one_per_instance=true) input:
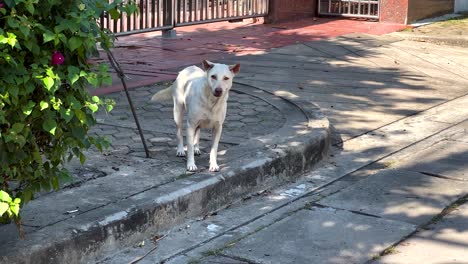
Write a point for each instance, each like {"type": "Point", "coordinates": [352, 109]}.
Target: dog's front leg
{"type": "Point", "coordinates": [190, 148]}
{"type": "Point", "coordinates": [179, 118]}
{"type": "Point", "coordinates": [196, 143]}
{"type": "Point", "coordinates": [214, 148]}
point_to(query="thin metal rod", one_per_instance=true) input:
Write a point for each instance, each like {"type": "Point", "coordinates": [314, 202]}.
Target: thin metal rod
{"type": "Point", "coordinates": [121, 75]}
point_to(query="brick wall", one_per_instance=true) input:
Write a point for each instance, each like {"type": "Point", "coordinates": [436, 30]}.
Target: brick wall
{"type": "Point", "coordinates": [420, 9]}
{"type": "Point", "coordinates": [393, 11]}
{"type": "Point", "coordinates": [284, 10]}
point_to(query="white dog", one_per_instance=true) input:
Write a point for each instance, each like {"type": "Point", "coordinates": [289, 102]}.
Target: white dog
{"type": "Point", "coordinates": [204, 94]}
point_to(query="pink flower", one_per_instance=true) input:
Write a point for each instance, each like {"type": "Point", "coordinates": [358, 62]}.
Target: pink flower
{"type": "Point", "coordinates": [2, 4]}
{"type": "Point", "coordinates": [57, 58]}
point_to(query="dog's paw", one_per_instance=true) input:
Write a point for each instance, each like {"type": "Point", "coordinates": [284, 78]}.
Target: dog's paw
{"type": "Point", "coordinates": [192, 167]}
{"type": "Point", "coordinates": [180, 153]}
{"type": "Point", "coordinates": [197, 152]}
{"type": "Point", "coordinates": [214, 167]}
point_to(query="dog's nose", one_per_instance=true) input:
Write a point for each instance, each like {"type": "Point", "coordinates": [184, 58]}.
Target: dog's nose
{"type": "Point", "coordinates": [218, 92]}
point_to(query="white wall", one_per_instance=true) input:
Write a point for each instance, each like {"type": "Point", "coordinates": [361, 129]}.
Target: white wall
{"type": "Point", "coordinates": [461, 6]}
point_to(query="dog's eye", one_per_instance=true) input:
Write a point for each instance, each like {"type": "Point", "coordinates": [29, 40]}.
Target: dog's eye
{"type": "Point", "coordinates": [213, 77]}
{"type": "Point", "coordinates": [226, 78]}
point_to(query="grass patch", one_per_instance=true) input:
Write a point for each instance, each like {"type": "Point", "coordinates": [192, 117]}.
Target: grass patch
{"type": "Point", "coordinates": [182, 176]}
{"type": "Point", "coordinates": [463, 19]}
{"type": "Point", "coordinates": [213, 252]}
{"type": "Point", "coordinates": [389, 251]}
{"type": "Point", "coordinates": [455, 21]}
{"type": "Point", "coordinates": [448, 210]}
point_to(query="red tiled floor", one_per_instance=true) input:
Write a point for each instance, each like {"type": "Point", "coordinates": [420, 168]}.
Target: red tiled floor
{"type": "Point", "coordinates": [147, 58]}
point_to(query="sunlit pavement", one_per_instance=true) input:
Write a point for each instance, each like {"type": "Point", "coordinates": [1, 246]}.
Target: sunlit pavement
{"type": "Point", "coordinates": [147, 58]}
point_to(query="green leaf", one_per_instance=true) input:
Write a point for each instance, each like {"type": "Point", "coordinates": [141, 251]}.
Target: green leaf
{"type": "Point", "coordinates": [43, 105]}
{"type": "Point", "coordinates": [107, 80]}
{"type": "Point", "coordinates": [48, 82]}
{"type": "Point", "coordinates": [14, 90]}
{"type": "Point", "coordinates": [27, 109]}
{"type": "Point", "coordinates": [11, 39]}
{"type": "Point", "coordinates": [81, 116]}
{"type": "Point", "coordinates": [93, 107]}
{"type": "Point", "coordinates": [30, 7]}
{"type": "Point", "coordinates": [17, 201]}
{"type": "Point", "coordinates": [109, 107]}
{"type": "Point", "coordinates": [27, 195]}
{"type": "Point", "coordinates": [93, 79]}
{"type": "Point", "coordinates": [73, 74]}
{"type": "Point", "coordinates": [17, 127]}
{"type": "Point", "coordinates": [5, 197]}
{"type": "Point", "coordinates": [82, 158]}
{"type": "Point", "coordinates": [80, 134]}
{"type": "Point", "coordinates": [95, 99]}
{"type": "Point", "coordinates": [66, 114]}
{"type": "Point", "coordinates": [25, 30]}
{"type": "Point", "coordinates": [114, 14]}
{"type": "Point", "coordinates": [15, 209]}
{"type": "Point", "coordinates": [37, 156]}
{"type": "Point", "coordinates": [48, 36]}
{"type": "Point", "coordinates": [74, 103]}
{"type": "Point", "coordinates": [13, 23]}
{"type": "Point", "coordinates": [55, 183]}
{"type": "Point", "coordinates": [20, 140]}
{"type": "Point", "coordinates": [3, 208]}
{"type": "Point", "coordinates": [74, 43]}
{"type": "Point", "coordinates": [50, 126]}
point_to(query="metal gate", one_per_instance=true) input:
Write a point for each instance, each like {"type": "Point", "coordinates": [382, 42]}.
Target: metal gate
{"type": "Point", "coordinates": [349, 8]}
{"type": "Point", "coordinates": [167, 14]}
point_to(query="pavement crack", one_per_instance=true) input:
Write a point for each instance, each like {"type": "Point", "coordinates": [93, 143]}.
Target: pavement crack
{"type": "Point", "coordinates": [442, 176]}
{"type": "Point", "coordinates": [311, 206]}
{"type": "Point", "coordinates": [435, 219]}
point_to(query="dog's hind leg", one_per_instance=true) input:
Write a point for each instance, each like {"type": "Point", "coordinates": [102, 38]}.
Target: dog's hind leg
{"type": "Point", "coordinates": [196, 142]}
{"type": "Point", "coordinates": [179, 118]}
{"type": "Point", "coordinates": [214, 148]}
{"type": "Point", "coordinates": [190, 148]}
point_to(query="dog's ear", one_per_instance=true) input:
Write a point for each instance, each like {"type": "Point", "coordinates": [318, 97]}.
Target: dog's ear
{"type": "Point", "coordinates": [235, 68]}
{"type": "Point", "coordinates": [207, 65]}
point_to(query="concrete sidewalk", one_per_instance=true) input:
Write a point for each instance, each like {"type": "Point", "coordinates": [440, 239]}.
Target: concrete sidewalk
{"type": "Point", "coordinates": [148, 59]}
{"type": "Point", "coordinates": [380, 95]}
{"type": "Point", "coordinates": [398, 162]}
{"type": "Point", "coordinates": [356, 217]}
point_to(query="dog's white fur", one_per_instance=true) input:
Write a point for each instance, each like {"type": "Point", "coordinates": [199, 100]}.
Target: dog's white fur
{"type": "Point", "coordinates": [203, 94]}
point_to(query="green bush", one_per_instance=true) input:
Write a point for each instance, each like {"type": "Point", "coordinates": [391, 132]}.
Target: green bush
{"type": "Point", "coordinates": [45, 107]}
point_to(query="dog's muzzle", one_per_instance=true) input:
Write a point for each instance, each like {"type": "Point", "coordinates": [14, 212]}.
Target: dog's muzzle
{"type": "Point", "coordinates": [218, 92]}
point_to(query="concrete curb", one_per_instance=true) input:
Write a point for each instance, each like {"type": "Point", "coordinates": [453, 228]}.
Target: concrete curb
{"type": "Point", "coordinates": [254, 165]}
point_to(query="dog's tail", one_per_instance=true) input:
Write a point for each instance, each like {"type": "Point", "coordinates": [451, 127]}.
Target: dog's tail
{"type": "Point", "coordinates": [163, 95]}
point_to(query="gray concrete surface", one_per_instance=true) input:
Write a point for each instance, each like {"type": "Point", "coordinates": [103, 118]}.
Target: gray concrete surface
{"type": "Point", "coordinates": [386, 100]}
{"type": "Point", "coordinates": [291, 223]}
{"type": "Point", "coordinates": [320, 235]}
{"type": "Point", "coordinates": [399, 117]}
{"type": "Point", "coordinates": [399, 195]}
{"type": "Point", "coordinates": [123, 195]}
{"type": "Point", "coordinates": [445, 241]}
